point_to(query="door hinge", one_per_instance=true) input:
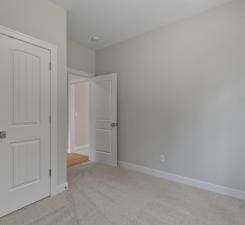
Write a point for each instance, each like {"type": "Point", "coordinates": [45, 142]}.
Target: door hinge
{"type": "Point", "coordinates": [50, 119]}
{"type": "Point", "coordinates": [50, 66]}
{"type": "Point", "coordinates": [50, 172]}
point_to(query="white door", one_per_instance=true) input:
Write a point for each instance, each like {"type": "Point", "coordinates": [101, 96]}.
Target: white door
{"type": "Point", "coordinates": [105, 112]}
{"type": "Point", "coordinates": [24, 124]}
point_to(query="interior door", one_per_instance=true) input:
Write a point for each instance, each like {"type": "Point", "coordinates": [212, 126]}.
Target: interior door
{"type": "Point", "coordinates": [24, 124]}
{"type": "Point", "coordinates": [105, 113]}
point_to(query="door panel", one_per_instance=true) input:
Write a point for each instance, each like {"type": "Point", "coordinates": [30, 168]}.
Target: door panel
{"type": "Point", "coordinates": [25, 163]}
{"type": "Point", "coordinates": [25, 88]}
{"type": "Point", "coordinates": [103, 100]}
{"type": "Point", "coordinates": [25, 111]}
{"type": "Point", "coordinates": [105, 106]}
{"type": "Point", "coordinates": [103, 140]}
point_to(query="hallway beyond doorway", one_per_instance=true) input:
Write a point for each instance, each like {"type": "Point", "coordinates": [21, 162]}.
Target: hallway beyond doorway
{"type": "Point", "coordinates": [75, 159]}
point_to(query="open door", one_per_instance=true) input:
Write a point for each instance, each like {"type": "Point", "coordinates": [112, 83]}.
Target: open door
{"type": "Point", "coordinates": [105, 118]}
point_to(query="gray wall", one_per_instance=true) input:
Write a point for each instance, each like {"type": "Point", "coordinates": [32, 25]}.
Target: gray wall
{"type": "Point", "coordinates": [44, 20]}
{"type": "Point", "coordinates": [182, 94]}
{"type": "Point", "coordinates": [80, 58]}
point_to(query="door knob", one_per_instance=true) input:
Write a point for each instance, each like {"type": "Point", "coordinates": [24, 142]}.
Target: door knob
{"type": "Point", "coordinates": [113, 124]}
{"type": "Point", "coordinates": [3, 134]}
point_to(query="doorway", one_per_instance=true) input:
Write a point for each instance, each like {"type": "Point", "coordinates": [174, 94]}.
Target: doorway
{"type": "Point", "coordinates": [92, 118]}
{"type": "Point", "coordinates": [79, 120]}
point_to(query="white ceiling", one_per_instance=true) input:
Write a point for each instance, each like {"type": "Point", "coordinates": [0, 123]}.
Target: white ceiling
{"type": "Point", "coordinates": [117, 20]}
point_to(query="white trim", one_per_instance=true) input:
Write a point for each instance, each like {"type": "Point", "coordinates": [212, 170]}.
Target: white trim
{"type": "Point", "coordinates": [81, 148]}
{"type": "Point", "coordinates": [71, 133]}
{"type": "Point", "coordinates": [185, 180]}
{"type": "Point", "coordinates": [54, 122]}
{"type": "Point", "coordinates": [60, 188]}
{"type": "Point", "coordinates": [79, 73]}
{"type": "Point", "coordinates": [26, 38]}
{"type": "Point", "coordinates": [92, 156]}
{"type": "Point", "coordinates": [53, 57]}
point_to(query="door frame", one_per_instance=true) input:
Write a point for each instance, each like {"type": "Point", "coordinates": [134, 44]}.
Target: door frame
{"type": "Point", "coordinates": [54, 187]}
{"type": "Point", "coordinates": [88, 76]}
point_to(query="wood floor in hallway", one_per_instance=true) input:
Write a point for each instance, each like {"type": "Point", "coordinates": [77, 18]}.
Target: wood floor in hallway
{"type": "Point", "coordinates": [75, 159]}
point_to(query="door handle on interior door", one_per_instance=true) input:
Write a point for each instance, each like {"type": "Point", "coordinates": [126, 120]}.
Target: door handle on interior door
{"type": "Point", "coordinates": [3, 134]}
{"type": "Point", "coordinates": [114, 124]}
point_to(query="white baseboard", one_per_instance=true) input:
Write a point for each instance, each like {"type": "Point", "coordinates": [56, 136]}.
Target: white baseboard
{"type": "Point", "coordinates": [60, 188]}
{"type": "Point", "coordinates": [81, 148]}
{"type": "Point", "coordinates": [185, 180]}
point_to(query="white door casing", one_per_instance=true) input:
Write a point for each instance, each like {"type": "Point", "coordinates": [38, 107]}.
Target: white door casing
{"type": "Point", "coordinates": [71, 112]}
{"type": "Point", "coordinates": [25, 111]}
{"type": "Point", "coordinates": [105, 118]}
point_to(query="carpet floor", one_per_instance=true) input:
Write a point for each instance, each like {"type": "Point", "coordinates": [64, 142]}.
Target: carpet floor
{"type": "Point", "coordinates": [101, 195]}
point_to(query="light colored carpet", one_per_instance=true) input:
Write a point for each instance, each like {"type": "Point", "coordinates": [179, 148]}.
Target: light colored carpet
{"type": "Point", "coordinates": [101, 195]}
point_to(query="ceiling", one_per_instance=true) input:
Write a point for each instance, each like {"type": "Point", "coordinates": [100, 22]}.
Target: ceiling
{"type": "Point", "coordinates": [118, 20]}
